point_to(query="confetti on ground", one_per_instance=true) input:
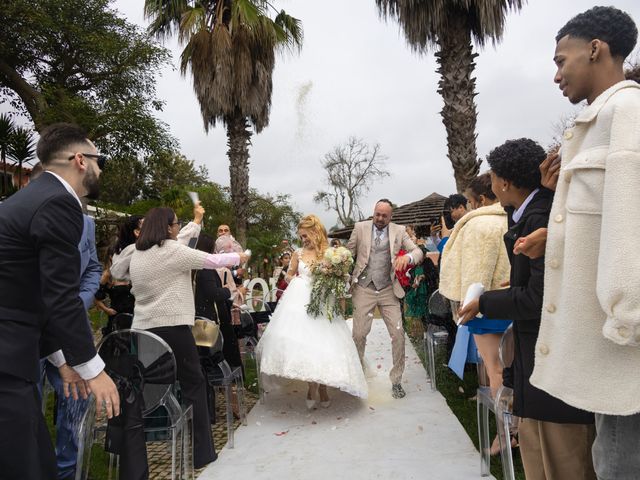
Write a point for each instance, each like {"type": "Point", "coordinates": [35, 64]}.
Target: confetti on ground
{"type": "Point", "coordinates": [258, 423]}
{"type": "Point", "coordinates": [420, 428]}
{"type": "Point", "coordinates": [313, 422]}
{"type": "Point", "coordinates": [338, 418]}
{"type": "Point", "coordinates": [371, 408]}
{"type": "Point", "coordinates": [334, 427]}
{"type": "Point", "coordinates": [279, 434]}
{"type": "Point", "coordinates": [379, 366]}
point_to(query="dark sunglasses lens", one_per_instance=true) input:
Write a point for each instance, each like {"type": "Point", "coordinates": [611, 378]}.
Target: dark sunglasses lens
{"type": "Point", "coordinates": [102, 160]}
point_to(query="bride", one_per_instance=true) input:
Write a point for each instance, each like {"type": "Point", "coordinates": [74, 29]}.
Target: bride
{"type": "Point", "coordinates": [298, 346]}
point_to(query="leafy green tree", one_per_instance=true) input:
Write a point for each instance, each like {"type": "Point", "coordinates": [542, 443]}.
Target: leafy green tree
{"type": "Point", "coordinates": [169, 168]}
{"type": "Point", "coordinates": [22, 148]}
{"type": "Point", "coordinates": [230, 49]}
{"type": "Point", "coordinates": [77, 61]}
{"type": "Point", "coordinates": [449, 26]}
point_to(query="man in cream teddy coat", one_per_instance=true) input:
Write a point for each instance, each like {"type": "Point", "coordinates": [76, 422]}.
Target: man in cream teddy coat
{"type": "Point", "coordinates": [588, 350]}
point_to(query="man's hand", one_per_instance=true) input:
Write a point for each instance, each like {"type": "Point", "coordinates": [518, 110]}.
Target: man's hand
{"type": "Point", "coordinates": [198, 213]}
{"type": "Point", "coordinates": [533, 245]}
{"type": "Point", "coordinates": [400, 263]}
{"type": "Point", "coordinates": [550, 171]}
{"type": "Point", "coordinates": [469, 311]}
{"type": "Point", "coordinates": [72, 383]}
{"type": "Point", "coordinates": [106, 394]}
{"type": "Point", "coordinates": [111, 312]}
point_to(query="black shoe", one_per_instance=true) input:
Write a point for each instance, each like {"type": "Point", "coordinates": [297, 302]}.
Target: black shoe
{"type": "Point", "coordinates": [397, 391]}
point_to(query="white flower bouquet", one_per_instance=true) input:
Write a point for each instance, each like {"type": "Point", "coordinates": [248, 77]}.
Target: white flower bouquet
{"type": "Point", "coordinates": [330, 276]}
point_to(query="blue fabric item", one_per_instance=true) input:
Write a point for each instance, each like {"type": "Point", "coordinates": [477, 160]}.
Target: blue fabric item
{"type": "Point", "coordinates": [464, 351]}
{"type": "Point", "coordinates": [480, 326]}
{"type": "Point", "coordinates": [442, 243]}
{"type": "Point", "coordinates": [90, 267]}
{"type": "Point", "coordinates": [69, 414]}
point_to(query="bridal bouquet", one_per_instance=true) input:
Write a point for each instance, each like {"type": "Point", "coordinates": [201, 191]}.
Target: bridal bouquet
{"type": "Point", "coordinates": [330, 277]}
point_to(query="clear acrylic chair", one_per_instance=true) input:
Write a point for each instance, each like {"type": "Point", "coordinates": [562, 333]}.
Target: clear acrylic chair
{"type": "Point", "coordinates": [220, 375]}
{"type": "Point", "coordinates": [143, 367]}
{"type": "Point", "coordinates": [501, 407]}
{"type": "Point", "coordinates": [435, 335]}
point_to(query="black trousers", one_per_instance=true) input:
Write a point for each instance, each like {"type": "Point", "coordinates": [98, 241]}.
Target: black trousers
{"type": "Point", "coordinates": [26, 451]}
{"type": "Point", "coordinates": [194, 387]}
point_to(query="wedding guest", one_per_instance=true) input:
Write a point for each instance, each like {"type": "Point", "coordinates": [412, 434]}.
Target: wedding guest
{"type": "Point", "coordinates": [41, 311]}
{"type": "Point", "coordinates": [279, 274]}
{"type": "Point", "coordinates": [118, 290]}
{"type": "Point", "coordinates": [475, 253]}
{"type": "Point", "coordinates": [555, 438]}
{"type": "Point", "coordinates": [160, 270]}
{"type": "Point", "coordinates": [587, 353]}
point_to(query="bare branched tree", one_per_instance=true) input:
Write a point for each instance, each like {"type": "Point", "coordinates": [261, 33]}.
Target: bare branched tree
{"type": "Point", "coordinates": [351, 169]}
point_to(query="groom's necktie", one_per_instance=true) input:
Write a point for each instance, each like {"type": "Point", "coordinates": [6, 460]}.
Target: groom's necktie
{"type": "Point", "coordinates": [378, 236]}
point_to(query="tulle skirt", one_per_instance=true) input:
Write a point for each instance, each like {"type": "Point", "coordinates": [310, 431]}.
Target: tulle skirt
{"type": "Point", "coordinates": [313, 349]}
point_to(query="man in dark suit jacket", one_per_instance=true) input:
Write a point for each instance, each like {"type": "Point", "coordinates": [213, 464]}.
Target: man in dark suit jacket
{"type": "Point", "coordinates": [41, 312]}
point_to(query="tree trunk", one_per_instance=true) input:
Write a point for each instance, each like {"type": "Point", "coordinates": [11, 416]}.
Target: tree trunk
{"type": "Point", "coordinates": [238, 140]}
{"type": "Point", "coordinates": [19, 175]}
{"type": "Point", "coordinates": [457, 87]}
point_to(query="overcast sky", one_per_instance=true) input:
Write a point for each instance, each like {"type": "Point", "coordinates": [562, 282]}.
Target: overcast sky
{"type": "Point", "coordinates": [356, 76]}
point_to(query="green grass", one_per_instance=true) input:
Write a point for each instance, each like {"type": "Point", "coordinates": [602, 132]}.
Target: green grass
{"type": "Point", "coordinates": [458, 394]}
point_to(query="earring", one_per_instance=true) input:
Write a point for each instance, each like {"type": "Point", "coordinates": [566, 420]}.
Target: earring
{"type": "Point", "coordinates": [504, 189]}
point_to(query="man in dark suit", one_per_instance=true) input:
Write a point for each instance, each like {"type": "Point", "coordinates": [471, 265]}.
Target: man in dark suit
{"type": "Point", "coordinates": [41, 313]}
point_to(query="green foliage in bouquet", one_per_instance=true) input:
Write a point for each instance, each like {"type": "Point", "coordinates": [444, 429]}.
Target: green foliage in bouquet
{"type": "Point", "coordinates": [330, 276]}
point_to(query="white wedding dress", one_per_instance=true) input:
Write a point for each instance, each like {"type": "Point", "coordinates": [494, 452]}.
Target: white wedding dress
{"type": "Point", "coordinates": [314, 349]}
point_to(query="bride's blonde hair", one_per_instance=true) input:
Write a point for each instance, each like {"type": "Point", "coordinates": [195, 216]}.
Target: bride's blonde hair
{"type": "Point", "coordinates": [317, 232]}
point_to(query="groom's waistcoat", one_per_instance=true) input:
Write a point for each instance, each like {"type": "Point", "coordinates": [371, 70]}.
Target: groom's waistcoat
{"type": "Point", "coordinates": [378, 268]}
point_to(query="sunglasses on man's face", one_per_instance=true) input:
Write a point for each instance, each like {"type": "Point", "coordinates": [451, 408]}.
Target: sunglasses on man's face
{"type": "Point", "coordinates": [100, 159]}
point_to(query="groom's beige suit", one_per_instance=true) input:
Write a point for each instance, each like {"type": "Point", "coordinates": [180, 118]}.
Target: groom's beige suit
{"type": "Point", "coordinates": [375, 285]}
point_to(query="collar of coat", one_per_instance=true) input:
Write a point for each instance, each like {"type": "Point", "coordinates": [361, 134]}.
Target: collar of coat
{"type": "Point", "coordinates": [494, 209]}
{"type": "Point", "coordinates": [591, 111]}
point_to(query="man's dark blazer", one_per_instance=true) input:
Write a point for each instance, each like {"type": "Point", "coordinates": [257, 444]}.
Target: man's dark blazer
{"type": "Point", "coordinates": [40, 229]}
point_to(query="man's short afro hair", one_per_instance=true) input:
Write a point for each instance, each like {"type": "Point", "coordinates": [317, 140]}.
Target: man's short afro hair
{"type": "Point", "coordinates": [608, 24]}
{"type": "Point", "coordinates": [518, 161]}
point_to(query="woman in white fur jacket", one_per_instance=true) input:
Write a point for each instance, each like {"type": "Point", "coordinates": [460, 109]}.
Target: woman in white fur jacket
{"type": "Point", "coordinates": [475, 253]}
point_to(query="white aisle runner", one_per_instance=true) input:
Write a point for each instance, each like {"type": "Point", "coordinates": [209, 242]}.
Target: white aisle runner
{"type": "Point", "coordinates": [416, 437]}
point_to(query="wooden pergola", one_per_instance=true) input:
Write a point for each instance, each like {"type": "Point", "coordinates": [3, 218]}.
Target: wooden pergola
{"type": "Point", "coordinates": [420, 214]}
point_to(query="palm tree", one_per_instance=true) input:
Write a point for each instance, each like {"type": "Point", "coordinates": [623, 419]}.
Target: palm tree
{"type": "Point", "coordinates": [448, 26]}
{"type": "Point", "coordinates": [6, 129]}
{"type": "Point", "coordinates": [22, 148]}
{"type": "Point", "coordinates": [230, 49]}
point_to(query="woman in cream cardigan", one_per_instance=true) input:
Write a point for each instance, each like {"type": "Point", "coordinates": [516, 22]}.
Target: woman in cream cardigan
{"type": "Point", "coordinates": [160, 271]}
{"type": "Point", "coordinates": [475, 253]}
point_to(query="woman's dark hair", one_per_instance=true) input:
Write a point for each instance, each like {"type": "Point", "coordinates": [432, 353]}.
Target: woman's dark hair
{"type": "Point", "coordinates": [518, 161]}
{"type": "Point", "coordinates": [154, 229]}
{"type": "Point", "coordinates": [481, 185]}
{"type": "Point", "coordinates": [126, 235]}
{"type": "Point", "coordinates": [206, 243]}
{"type": "Point", "coordinates": [608, 24]}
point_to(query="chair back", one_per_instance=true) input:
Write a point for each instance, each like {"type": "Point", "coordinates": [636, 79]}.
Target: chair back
{"type": "Point", "coordinates": [439, 309]}
{"type": "Point", "coordinates": [506, 348]}
{"type": "Point", "coordinates": [140, 360]}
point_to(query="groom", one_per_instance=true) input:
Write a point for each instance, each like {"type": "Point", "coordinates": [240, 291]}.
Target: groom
{"type": "Point", "coordinates": [375, 245]}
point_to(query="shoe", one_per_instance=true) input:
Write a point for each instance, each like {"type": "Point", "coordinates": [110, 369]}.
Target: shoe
{"type": "Point", "coordinates": [397, 391]}
{"type": "Point", "coordinates": [311, 403]}
{"type": "Point", "coordinates": [326, 404]}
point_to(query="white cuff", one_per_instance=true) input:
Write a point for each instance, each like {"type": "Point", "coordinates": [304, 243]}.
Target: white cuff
{"type": "Point", "coordinates": [57, 359]}
{"type": "Point", "coordinates": [90, 369]}
{"type": "Point", "coordinates": [410, 258]}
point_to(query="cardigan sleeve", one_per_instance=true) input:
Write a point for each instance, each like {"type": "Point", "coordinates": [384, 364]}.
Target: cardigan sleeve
{"type": "Point", "coordinates": [486, 243]}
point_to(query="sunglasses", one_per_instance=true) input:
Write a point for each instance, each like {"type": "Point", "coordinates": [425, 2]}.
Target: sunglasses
{"type": "Point", "coordinates": [100, 159]}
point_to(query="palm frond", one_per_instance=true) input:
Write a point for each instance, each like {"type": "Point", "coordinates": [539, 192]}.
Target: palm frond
{"type": "Point", "coordinates": [192, 21]}
{"type": "Point", "coordinates": [164, 16]}
{"type": "Point", "coordinates": [6, 128]}
{"type": "Point", "coordinates": [22, 145]}
{"type": "Point", "coordinates": [289, 31]}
